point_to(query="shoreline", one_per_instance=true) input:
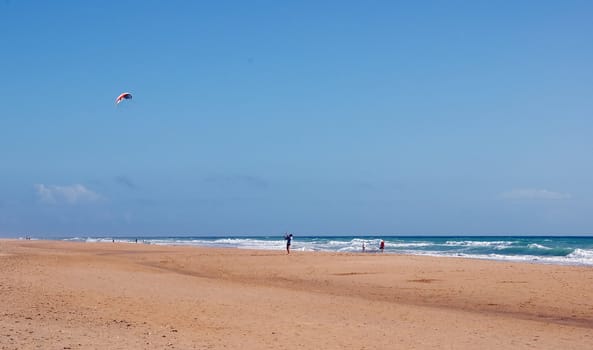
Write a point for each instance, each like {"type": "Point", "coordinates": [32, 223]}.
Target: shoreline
{"type": "Point", "coordinates": [123, 295]}
{"type": "Point", "coordinates": [571, 254]}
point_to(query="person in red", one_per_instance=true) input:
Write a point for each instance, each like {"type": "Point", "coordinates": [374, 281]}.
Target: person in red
{"type": "Point", "coordinates": [382, 245]}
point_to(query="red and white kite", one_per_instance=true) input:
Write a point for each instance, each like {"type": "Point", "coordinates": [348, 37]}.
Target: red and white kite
{"type": "Point", "coordinates": [124, 96]}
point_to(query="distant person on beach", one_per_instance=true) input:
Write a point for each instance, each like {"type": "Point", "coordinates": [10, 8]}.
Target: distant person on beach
{"type": "Point", "coordinates": [363, 247]}
{"type": "Point", "coordinates": [382, 245]}
{"type": "Point", "coordinates": [288, 238]}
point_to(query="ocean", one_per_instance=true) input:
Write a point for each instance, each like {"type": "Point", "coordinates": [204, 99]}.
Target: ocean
{"type": "Point", "coordinates": [561, 250]}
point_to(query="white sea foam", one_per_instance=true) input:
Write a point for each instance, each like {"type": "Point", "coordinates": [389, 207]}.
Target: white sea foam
{"type": "Point", "coordinates": [98, 240]}
{"type": "Point", "coordinates": [587, 259]}
{"type": "Point", "coordinates": [75, 239]}
{"type": "Point", "coordinates": [410, 245]}
{"type": "Point", "coordinates": [581, 254]}
{"type": "Point", "coordinates": [538, 246]}
{"type": "Point", "coordinates": [479, 243]}
{"type": "Point", "coordinates": [241, 243]}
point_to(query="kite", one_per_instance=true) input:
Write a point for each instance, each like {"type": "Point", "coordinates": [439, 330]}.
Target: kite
{"type": "Point", "coordinates": [124, 96]}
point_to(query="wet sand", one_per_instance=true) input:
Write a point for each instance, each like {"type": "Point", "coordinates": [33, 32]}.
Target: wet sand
{"type": "Point", "coordinates": [66, 295]}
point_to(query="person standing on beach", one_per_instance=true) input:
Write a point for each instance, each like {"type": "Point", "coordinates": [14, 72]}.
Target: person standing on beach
{"type": "Point", "coordinates": [288, 238]}
{"type": "Point", "coordinates": [382, 245]}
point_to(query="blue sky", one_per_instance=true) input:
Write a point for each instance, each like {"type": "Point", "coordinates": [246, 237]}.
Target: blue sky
{"type": "Point", "coordinates": [316, 117]}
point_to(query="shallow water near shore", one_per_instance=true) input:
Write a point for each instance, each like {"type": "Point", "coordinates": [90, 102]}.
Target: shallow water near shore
{"type": "Point", "coordinates": [560, 250]}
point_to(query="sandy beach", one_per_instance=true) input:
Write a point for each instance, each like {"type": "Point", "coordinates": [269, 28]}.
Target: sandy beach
{"type": "Point", "coordinates": [66, 295]}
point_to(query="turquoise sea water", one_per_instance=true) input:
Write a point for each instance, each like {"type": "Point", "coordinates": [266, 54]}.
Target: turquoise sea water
{"type": "Point", "coordinates": [543, 249]}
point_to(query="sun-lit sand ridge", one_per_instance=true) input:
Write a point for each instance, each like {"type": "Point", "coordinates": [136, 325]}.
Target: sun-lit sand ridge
{"type": "Point", "coordinates": [64, 295]}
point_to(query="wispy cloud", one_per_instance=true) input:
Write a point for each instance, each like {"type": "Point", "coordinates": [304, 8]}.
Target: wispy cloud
{"type": "Point", "coordinates": [534, 194]}
{"type": "Point", "coordinates": [72, 194]}
{"type": "Point", "coordinates": [125, 181]}
{"type": "Point", "coordinates": [245, 180]}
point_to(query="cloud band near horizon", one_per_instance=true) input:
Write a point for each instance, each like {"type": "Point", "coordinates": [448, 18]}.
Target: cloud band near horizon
{"type": "Point", "coordinates": [71, 194]}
